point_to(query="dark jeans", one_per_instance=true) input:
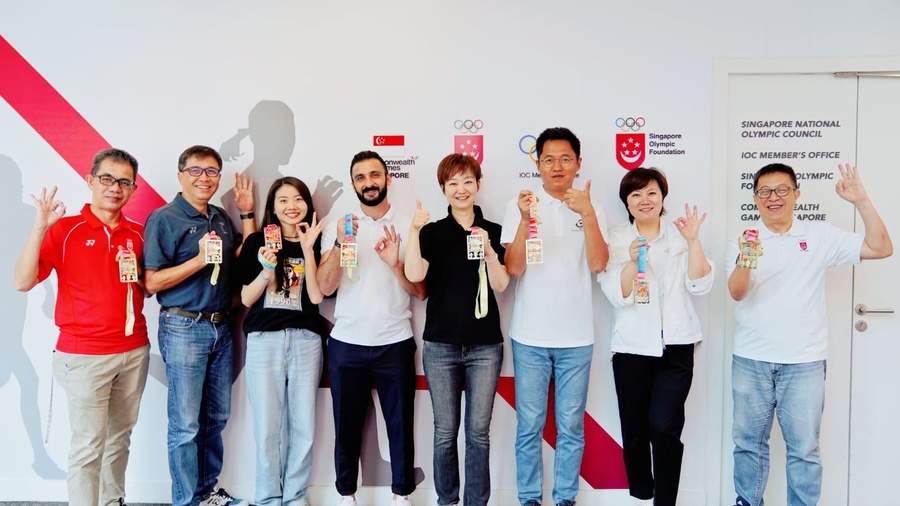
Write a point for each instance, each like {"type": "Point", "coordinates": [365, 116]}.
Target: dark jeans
{"type": "Point", "coordinates": [354, 370]}
{"type": "Point", "coordinates": [651, 393]}
{"type": "Point", "coordinates": [452, 369]}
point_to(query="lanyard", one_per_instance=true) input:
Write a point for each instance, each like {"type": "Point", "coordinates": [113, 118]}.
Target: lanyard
{"type": "Point", "coordinates": [349, 258]}
{"type": "Point", "coordinates": [534, 247]}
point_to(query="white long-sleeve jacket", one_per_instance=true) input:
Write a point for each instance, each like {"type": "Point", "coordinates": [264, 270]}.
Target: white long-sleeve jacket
{"type": "Point", "coordinates": [669, 318]}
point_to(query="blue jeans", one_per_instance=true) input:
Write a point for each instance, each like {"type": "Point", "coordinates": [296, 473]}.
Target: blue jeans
{"type": "Point", "coordinates": [796, 393]}
{"type": "Point", "coordinates": [198, 356]}
{"type": "Point", "coordinates": [450, 370]}
{"type": "Point", "coordinates": [283, 369]}
{"type": "Point", "coordinates": [570, 369]}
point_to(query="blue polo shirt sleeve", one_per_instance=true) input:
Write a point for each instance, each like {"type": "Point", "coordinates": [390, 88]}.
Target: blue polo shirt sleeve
{"type": "Point", "coordinates": [159, 244]}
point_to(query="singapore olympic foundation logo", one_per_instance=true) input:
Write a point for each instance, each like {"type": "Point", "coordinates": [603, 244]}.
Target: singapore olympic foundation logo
{"type": "Point", "coordinates": [630, 143]}
{"type": "Point", "coordinates": [469, 143]}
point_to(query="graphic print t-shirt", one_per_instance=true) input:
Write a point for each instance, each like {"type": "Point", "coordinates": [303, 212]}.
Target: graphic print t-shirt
{"type": "Point", "coordinates": [283, 305]}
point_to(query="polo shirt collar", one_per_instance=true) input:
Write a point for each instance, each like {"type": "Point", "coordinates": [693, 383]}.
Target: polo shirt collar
{"type": "Point", "coordinates": [546, 197]}
{"type": "Point", "coordinates": [192, 211]}
{"type": "Point", "coordinates": [663, 227]}
{"type": "Point", "coordinates": [798, 229]}
{"type": "Point", "coordinates": [94, 222]}
{"type": "Point", "coordinates": [479, 216]}
{"type": "Point", "coordinates": [388, 216]}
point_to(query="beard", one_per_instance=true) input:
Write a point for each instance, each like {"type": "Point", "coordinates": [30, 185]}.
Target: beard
{"type": "Point", "coordinates": [378, 199]}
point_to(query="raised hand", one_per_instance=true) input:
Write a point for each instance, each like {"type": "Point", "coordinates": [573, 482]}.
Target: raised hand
{"type": "Point", "coordinates": [269, 255]}
{"type": "Point", "coordinates": [308, 232]}
{"type": "Point", "coordinates": [243, 193]}
{"type": "Point", "coordinates": [388, 247]}
{"type": "Point", "coordinates": [488, 250]}
{"type": "Point", "coordinates": [579, 201]}
{"type": "Point", "coordinates": [635, 248]}
{"type": "Point", "coordinates": [49, 210]}
{"type": "Point", "coordinates": [421, 217]}
{"type": "Point", "coordinates": [341, 236]}
{"type": "Point", "coordinates": [524, 203]}
{"type": "Point", "coordinates": [689, 224]}
{"type": "Point", "coordinates": [850, 187]}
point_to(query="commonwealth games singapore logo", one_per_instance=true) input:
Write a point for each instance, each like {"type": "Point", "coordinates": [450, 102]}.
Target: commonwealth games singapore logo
{"type": "Point", "coordinates": [630, 142]}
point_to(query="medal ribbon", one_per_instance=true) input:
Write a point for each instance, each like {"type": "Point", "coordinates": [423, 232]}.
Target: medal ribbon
{"type": "Point", "coordinates": [641, 287]}
{"type": "Point", "coordinates": [129, 311]}
{"type": "Point", "coordinates": [349, 239]}
{"type": "Point", "coordinates": [481, 298]}
{"type": "Point", "coordinates": [532, 218]}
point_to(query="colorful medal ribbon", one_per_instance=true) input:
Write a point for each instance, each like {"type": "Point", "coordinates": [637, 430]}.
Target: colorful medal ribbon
{"type": "Point", "coordinates": [214, 256]}
{"type": "Point", "coordinates": [349, 249]}
{"type": "Point", "coordinates": [534, 248]}
{"type": "Point", "coordinates": [481, 298]}
{"type": "Point", "coordinates": [641, 292]}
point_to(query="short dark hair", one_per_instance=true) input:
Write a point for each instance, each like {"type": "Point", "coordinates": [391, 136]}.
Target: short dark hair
{"type": "Point", "coordinates": [198, 151]}
{"type": "Point", "coordinates": [639, 178]}
{"type": "Point", "coordinates": [558, 134]}
{"type": "Point", "coordinates": [455, 164]}
{"type": "Point", "coordinates": [774, 168]}
{"type": "Point", "coordinates": [366, 155]}
{"type": "Point", "coordinates": [118, 155]}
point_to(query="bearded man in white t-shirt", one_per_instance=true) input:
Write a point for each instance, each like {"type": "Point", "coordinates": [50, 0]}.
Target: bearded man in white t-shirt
{"type": "Point", "coordinates": [780, 369]}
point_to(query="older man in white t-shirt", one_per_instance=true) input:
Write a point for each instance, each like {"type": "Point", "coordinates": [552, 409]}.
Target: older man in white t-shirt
{"type": "Point", "coordinates": [552, 325]}
{"type": "Point", "coordinates": [779, 365]}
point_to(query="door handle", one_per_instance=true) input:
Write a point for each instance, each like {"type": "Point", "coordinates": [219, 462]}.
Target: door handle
{"type": "Point", "coordinates": [862, 310]}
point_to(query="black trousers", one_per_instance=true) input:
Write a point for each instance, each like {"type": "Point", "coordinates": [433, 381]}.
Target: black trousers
{"type": "Point", "coordinates": [354, 370]}
{"type": "Point", "coordinates": [651, 393]}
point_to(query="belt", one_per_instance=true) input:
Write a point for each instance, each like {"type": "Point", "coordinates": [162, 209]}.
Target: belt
{"type": "Point", "coordinates": [194, 315]}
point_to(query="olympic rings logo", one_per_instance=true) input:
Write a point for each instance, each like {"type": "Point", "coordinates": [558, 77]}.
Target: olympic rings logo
{"type": "Point", "coordinates": [633, 124]}
{"type": "Point", "coordinates": [528, 146]}
{"type": "Point", "coordinates": [468, 125]}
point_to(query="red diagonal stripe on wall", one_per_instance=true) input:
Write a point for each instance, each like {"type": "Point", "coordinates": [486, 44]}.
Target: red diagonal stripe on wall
{"type": "Point", "coordinates": [64, 129]}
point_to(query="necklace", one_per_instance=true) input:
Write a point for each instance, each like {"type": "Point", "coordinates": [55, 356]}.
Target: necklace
{"type": "Point", "coordinates": [291, 236]}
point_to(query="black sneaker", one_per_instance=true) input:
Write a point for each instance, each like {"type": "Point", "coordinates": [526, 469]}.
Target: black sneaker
{"type": "Point", "coordinates": [220, 497]}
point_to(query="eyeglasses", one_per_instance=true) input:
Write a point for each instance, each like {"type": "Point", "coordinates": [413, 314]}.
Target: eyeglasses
{"type": "Point", "coordinates": [564, 161]}
{"type": "Point", "coordinates": [197, 171]}
{"type": "Point", "coordinates": [107, 180]}
{"type": "Point", "coordinates": [781, 191]}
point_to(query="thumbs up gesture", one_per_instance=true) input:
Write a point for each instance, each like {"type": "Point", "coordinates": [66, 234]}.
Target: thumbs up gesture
{"type": "Point", "coordinates": [420, 218]}
{"type": "Point", "coordinates": [579, 201]}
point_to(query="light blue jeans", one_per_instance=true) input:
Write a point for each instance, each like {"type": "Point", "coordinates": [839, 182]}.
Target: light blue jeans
{"type": "Point", "coordinates": [198, 356]}
{"type": "Point", "coordinates": [570, 369]}
{"type": "Point", "coordinates": [283, 370]}
{"type": "Point", "coordinates": [796, 394]}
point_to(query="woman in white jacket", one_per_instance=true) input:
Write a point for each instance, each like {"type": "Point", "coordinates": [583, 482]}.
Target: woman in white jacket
{"type": "Point", "coordinates": [653, 343]}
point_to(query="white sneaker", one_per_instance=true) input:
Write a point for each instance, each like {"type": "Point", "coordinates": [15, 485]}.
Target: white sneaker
{"type": "Point", "coordinates": [402, 500]}
{"type": "Point", "coordinates": [347, 500]}
{"type": "Point", "coordinates": [219, 497]}
{"type": "Point", "coordinates": [643, 502]}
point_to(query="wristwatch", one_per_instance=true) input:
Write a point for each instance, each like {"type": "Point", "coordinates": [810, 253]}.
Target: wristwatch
{"type": "Point", "coordinates": [248, 216]}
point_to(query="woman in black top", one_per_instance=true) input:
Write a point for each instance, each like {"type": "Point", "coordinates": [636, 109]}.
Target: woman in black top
{"type": "Point", "coordinates": [461, 260]}
{"type": "Point", "coordinates": [284, 347]}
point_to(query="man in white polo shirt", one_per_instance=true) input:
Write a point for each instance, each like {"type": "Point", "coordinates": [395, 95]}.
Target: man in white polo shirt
{"type": "Point", "coordinates": [779, 364]}
{"type": "Point", "coordinates": [552, 324]}
{"type": "Point", "coordinates": [372, 340]}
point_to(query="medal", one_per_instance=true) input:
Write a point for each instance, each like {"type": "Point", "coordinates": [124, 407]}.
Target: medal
{"type": "Point", "coordinates": [474, 245]}
{"type": "Point", "coordinates": [349, 253]}
{"type": "Point", "coordinates": [214, 255]}
{"type": "Point", "coordinates": [534, 247]}
{"type": "Point", "coordinates": [272, 234]}
{"type": "Point", "coordinates": [750, 249]}
{"type": "Point", "coordinates": [128, 274]}
{"type": "Point", "coordinates": [641, 292]}
{"type": "Point", "coordinates": [475, 251]}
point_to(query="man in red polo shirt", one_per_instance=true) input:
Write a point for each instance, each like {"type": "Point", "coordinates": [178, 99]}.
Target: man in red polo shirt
{"type": "Point", "coordinates": [102, 353]}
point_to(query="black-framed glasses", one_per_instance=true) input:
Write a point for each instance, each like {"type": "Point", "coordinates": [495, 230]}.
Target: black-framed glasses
{"type": "Point", "coordinates": [564, 161]}
{"type": "Point", "coordinates": [781, 191]}
{"type": "Point", "coordinates": [107, 180]}
{"type": "Point", "coordinates": [197, 171]}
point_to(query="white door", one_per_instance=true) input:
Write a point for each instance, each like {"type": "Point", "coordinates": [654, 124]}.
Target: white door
{"type": "Point", "coordinates": [875, 376]}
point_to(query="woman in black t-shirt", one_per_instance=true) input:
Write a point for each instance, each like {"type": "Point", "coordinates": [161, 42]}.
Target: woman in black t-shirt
{"type": "Point", "coordinates": [284, 345]}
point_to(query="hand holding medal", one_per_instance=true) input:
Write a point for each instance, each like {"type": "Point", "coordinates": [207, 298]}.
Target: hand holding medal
{"type": "Point", "coordinates": [475, 249]}
{"type": "Point", "coordinates": [213, 254]}
{"type": "Point", "coordinates": [534, 247]}
{"type": "Point", "coordinates": [128, 273]}
{"type": "Point", "coordinates": [750, 249]}
{"type": "Point", "coordinates": [349, 252]}
{"type": "Point", "coordinates": [641, 291]}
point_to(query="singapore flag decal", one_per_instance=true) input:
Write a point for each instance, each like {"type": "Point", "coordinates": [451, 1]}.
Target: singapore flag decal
{"type": "Point", "coordinates": [630, 149]}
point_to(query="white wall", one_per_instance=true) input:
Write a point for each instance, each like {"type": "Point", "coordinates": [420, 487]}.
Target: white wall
{"type": "Point", "coordinates": [157, 77]}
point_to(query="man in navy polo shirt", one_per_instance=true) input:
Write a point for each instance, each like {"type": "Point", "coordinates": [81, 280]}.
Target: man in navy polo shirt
{"type": "Point", "coordinates": [194, 333]}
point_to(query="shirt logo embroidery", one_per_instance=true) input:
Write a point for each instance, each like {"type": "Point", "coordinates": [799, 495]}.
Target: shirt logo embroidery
{"type": "Point", "coordinates": [193, 230]}
{"type": "Point", "coordinates": [803, 245]}
{"type": "Point", "coordinates": [579, 226]}
{"type": "Point", "coordinates": [89, 242]}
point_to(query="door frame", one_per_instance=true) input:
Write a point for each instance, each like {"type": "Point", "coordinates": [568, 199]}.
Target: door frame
{"type": "Point", "coordinates": [719, 346]}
